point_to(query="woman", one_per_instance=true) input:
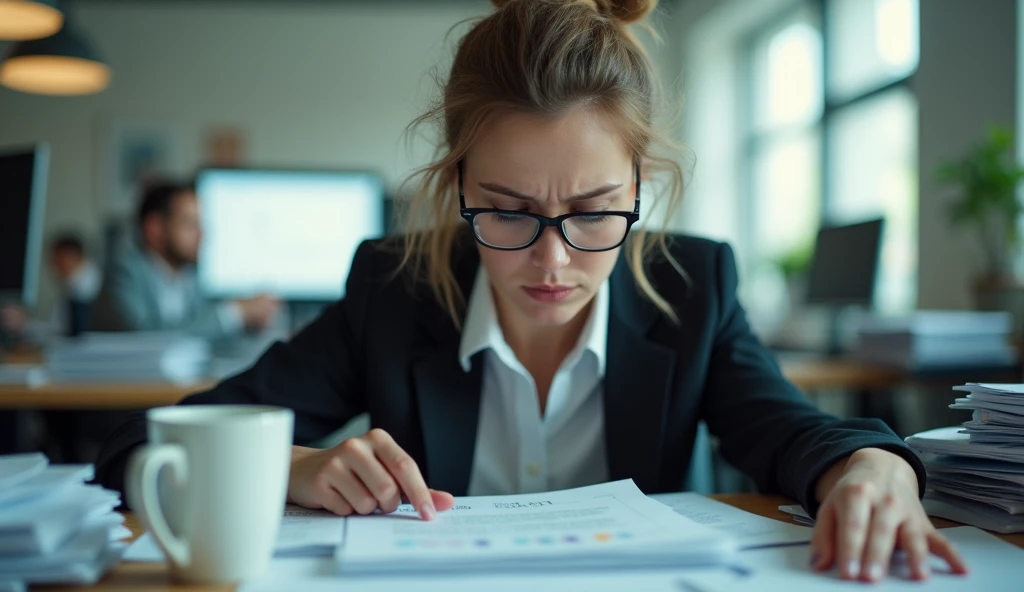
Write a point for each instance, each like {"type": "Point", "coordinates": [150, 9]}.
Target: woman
{"type": "Point", "coordinates": [538, 343]}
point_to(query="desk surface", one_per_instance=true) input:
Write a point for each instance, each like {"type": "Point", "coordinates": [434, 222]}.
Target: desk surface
{"type": "Point", "coordinates": [100, 395]}
{"type": "Point", "coordinates": [153, 577]}
{"type": "Point", "coordinates": [808, 374]}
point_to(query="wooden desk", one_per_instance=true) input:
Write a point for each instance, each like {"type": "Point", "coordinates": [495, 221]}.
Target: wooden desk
{"type": "Point", "coordinates": [153, 577]}
{"type": "Point", "coordinates": [96, 396]}
{"type": "Point", "coordinates": [809, 374]}
{"type": "Point", "coordinates": [813, 373]}
{"type": "Point", "coordinates": [806, 374]}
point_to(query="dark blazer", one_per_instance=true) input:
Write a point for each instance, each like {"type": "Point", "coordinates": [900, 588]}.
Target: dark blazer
{"type": "Point", "coordinates": [389, 349]}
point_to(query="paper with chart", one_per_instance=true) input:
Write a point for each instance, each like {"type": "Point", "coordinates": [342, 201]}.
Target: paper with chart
{"type": "Point", "coordinates": [608, 525]}
{"type": "Point", "coordinates": [751, 531]}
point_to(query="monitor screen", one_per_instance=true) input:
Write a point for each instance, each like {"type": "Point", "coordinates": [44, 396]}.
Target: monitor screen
{"type": "Point", "coordinates": [288, 233]}
{"type": "Point", "coordinates": [22, 196]}
{"type": "Point", "coordinates": [845, 264]}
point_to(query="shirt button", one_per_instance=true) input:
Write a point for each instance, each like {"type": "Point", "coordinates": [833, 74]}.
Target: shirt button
{"type": "Point", "coordinates": [533, 469]}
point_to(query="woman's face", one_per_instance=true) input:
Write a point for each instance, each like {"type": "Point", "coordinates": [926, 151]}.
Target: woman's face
{"type": "Point", "coordinates": [550, 166]}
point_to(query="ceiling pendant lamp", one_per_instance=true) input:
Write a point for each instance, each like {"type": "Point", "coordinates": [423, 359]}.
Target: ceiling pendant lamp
{"type": "Point", "coordinates": [29, 19]}
{"type": "Point", "coordinates": [61, 64]}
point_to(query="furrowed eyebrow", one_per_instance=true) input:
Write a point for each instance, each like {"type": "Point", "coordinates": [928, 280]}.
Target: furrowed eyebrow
{"type": "Point", "coordinates": [502, 190]}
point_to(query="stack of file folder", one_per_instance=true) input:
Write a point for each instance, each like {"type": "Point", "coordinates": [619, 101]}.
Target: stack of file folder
{"type": "Point", "coordinates": [938, 339]}
{"type": "Point", "coordinates": [129, 357]}
{"type": "Point", "coordinates": [55, 529]}
{"type": "Point", "coordinates": [976, 470]}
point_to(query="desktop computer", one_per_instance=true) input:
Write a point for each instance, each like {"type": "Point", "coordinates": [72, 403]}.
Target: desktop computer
{"type": "Point", "coordinates": [23, 174]}
{"type": "Point", "coordinates": [843, 272]}
{"type": "Point", "coordinates": [285, 232]}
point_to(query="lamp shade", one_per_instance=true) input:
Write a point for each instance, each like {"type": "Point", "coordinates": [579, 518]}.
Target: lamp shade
{"type": "Point", "coordinates": [29, 19]}
{"type": "Point", "coordinates": [61, 64]}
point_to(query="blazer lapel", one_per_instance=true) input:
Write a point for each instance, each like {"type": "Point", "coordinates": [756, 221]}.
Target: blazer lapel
{"type": "Point", "coordinates": [448, 397]}
{"type": "Point", "coordinates": [449, 405]}
{"type": "Point", "coordinates": [638, 382]}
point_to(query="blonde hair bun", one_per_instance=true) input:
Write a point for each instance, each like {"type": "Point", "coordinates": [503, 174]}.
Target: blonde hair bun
{"type": "Point", "coordinates": [624, 11]}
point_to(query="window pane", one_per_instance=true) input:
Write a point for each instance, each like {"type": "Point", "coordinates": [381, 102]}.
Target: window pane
{"type": "Point", "coordinates": [787, 76]}
{"type": "Point", "coordinates": [872, 160]}
{"type": "Point", "coordinates": [786, 194]}
{"type": "Point", "coordinates": [871, 43]}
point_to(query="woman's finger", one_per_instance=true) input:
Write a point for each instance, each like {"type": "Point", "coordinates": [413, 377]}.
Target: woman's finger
{"type": "Point", "coordinates": [885, 520]}
{"type": "Point", "coordinates": [333, 501]}
{"type": "Point", "coordinates": [345, 480]}
{"type": "Point", "coordinates": [405, 471]}
{"type": "Point", "coordinates": [912, 540]}
{"type": "Point", "coordinates": [853, 513]}
{"type": "Point", "coordinates": [377, 480]}
{"type": "Point", "coordinates": [941, 546]}
{"type": "Point", "coordinates": [823, 543]}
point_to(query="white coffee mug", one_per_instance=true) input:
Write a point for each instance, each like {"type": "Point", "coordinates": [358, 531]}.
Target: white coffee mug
{"type": "Point", "coordinates": [218, 519]}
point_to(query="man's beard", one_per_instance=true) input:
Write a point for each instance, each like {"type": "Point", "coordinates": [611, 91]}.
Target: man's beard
{"type": "Point", "coordinates": [177, 259]}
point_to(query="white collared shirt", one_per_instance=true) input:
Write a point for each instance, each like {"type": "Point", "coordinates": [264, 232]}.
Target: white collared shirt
{"type": "Point", "coordinates": [175, 288]}
{"type": "Point", "coordinates": [518, 450]}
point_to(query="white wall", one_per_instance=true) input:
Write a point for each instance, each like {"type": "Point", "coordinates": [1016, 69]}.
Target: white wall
{"type": "Point", "coordinates": [966, 81]}
{"type": "Point", "coordinates": [309, 84]}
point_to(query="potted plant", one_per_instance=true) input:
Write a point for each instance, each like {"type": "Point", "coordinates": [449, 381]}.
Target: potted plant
{"type": "Point", "coordinates": [985, 180]}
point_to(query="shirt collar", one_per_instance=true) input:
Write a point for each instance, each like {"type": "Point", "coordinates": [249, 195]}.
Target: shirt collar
{"type": "Point", "coordinates": [165, 272]}
{"type": "Point", "coordinates": [482, 331]}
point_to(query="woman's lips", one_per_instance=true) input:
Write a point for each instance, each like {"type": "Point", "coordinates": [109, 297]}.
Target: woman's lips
{"type": "Point", "coordinates": [549, 293]}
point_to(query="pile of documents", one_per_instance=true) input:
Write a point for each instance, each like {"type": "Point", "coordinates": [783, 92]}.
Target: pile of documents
{"type": "Point", "coordinates": [976, 471]}
{"type": "Point", "coordinates": [303, 533]}
{"type": "Point", "coordinates": [55, 529]}
{"type": "Point", "coordinates": [128, 357]}
{"type": "Point", "coordinates": [607, 526]}
{"type": "Point", "coordinates": [938, 339]}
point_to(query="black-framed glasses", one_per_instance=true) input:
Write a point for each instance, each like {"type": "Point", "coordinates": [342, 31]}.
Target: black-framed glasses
{"type": "Point", "coordinates": [508, 230]}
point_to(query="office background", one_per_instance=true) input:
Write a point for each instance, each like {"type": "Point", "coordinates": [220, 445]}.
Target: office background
{"type": "Point", "coordinates": [786, 132]}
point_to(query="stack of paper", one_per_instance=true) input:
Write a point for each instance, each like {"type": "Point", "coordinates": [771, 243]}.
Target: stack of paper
{"type": "Point", "coordinates": [303, 533]}
{"type": "Point", "coordinates": [55, 529]}
{"type": "Point", "coordinates": [128, 357]}
{"type": "Point", "coordinates": [976, 471]}
{"type": "Point", "coordinates": [938, 339]}
{"type": "Point", "coordinates": [22, 375]}
{"type": "Point", "coordinates": [613, 525]}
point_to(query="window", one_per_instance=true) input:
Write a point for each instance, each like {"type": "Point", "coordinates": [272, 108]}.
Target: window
{"type": "Point", "coordinates": [831, 133]}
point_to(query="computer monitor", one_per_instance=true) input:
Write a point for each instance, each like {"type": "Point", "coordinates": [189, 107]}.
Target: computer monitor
{"type": "Point", "coordinates": [22, 199]}
{"type": "Point", "coordinates": [845, 264]}
{"type": "Point", "coordinates": [286, 232]}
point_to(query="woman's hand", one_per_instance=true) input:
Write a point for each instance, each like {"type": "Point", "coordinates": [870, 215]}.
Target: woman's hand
{"type": "Point", "coordinates": [869, 507]}
{"type": "Point", "coordinates": [361, 475]}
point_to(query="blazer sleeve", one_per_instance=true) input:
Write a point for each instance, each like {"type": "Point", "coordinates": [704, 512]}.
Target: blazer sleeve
{"type": "Point", "coordinates": [767, 428]}
{"type": "Point", "coordinates": [319, 374]}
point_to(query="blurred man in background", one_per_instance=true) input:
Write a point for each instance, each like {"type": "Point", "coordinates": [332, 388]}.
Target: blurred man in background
{"type": "Point", "coordinates": [79, 280]}
{"type": "Point", "coordinates": [151, 285]}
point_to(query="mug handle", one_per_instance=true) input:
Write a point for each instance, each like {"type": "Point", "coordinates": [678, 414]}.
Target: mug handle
{"type": "Point", "coordinates": [143, 494]}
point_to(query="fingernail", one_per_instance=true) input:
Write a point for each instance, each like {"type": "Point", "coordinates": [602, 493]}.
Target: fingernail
{"type": "Point", "coordinates": [874, 572]}
{"type": "Point", "coordinates": [852, 569]}
{"type": "Point", "coordinates": [428, 512]}
{"type": "Point", "coordinates": [924, 570]}
{"type": "Point", "coordinates": [814, 559]}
